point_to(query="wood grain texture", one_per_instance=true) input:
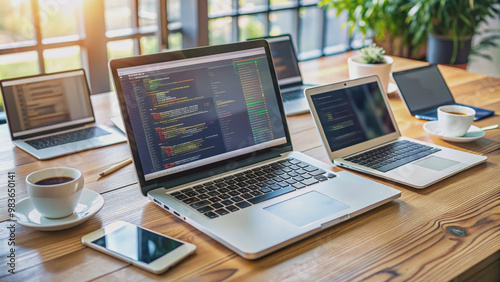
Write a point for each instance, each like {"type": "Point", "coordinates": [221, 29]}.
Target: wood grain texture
{"type": "Point", "coordinates": [449, 230]}
{"type": "Point", "coordinates": [486, 270]}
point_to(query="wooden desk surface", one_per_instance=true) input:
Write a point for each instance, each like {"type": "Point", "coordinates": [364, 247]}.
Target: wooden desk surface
{"type": "Point", "coordinates": [411, 238]}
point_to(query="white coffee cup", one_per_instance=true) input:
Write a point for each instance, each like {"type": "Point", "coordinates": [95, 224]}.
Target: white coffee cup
{"type": "Point", "coordinates": [455, 120]}
{"type": "Point", "coordinates": [55, 192]}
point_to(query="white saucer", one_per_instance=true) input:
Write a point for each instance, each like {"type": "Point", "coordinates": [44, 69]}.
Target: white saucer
{"type": "Point", "coordinates": [391, 88]}
{"type": "Point", "coordinates": [90, 203]}
{"type": "Point", "coordinates": [472, 134]}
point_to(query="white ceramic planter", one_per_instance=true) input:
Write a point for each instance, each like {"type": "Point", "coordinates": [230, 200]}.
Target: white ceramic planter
{"type": "Point", "coordinates": [357, 69]}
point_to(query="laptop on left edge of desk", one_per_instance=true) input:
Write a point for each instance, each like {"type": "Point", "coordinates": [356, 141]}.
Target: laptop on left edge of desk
{"type": "Point", "coordinates": [51, 115]}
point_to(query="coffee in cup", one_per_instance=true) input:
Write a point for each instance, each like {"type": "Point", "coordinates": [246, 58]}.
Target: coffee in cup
{"type": "Point", "coordinates": [455, 120]}
{"type": "Point", "coordinates": [54, 180]}
{"type": "Point", "coordinates": [55, 192]}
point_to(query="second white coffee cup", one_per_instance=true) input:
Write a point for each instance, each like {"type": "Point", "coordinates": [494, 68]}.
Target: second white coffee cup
{"type": "Point", "coordinates": [455, 120]}
{"type": "Point", "coordinates": [55, 192]}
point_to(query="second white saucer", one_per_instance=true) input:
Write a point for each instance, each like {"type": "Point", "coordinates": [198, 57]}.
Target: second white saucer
{"type": "Point", "coordinates": [472, 134]}
{"type": "Point", "coordinates": [90, 203]}
{"type": "Point", "coordinates": [391, 88]}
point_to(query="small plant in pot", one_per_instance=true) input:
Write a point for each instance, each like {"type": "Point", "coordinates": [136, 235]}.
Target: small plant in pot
{"type": "Point", "coordinates": [371, 60]}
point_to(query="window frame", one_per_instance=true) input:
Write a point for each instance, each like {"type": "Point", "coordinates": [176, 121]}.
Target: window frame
{"type": "Point", "coordinates": [192, 25]}
{"type": "Point", "coordinates": [267, 9]}
{"type": "Point", "coordinates": [93, 40]}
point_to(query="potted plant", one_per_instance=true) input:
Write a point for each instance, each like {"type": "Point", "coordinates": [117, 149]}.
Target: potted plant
{"type": "Point", "coordinates": [385, 21]}
{"type": "Point", "coordinates": [408, 24]}
{"type": "Point", "coordinates": [448, 27]}
{"type": "Point", "coordinates": [371, 60]}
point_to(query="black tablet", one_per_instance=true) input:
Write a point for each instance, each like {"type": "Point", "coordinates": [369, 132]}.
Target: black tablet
{"type": "Point", "coordinates": [424, 90]}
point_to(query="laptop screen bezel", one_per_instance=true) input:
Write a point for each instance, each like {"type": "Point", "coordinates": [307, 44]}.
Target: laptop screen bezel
{"type": "Point", "coordinates": [397, 75]}
{"type": "Point", "coordinates": [360, 146]}
{"type": "Point", "coordinates": [52, 128]}
{"type": "Point", "coordinates": [190, 175]}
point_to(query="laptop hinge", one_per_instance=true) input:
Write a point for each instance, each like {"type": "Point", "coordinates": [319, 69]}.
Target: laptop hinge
{"type": "Point", "coordinates": [291, 85]}
{"type": "Point", "coordinates": [146, 189]}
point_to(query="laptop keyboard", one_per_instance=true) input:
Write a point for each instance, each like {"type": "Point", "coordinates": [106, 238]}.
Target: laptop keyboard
{"type": "Point", "coordinates": [393, 155]}
{"type": "Point", "coordinates": [232, 193]}
{"type": "Point", "coordinates": [68, 137]}
{"type": "Point", "coordinates": [292, 95]}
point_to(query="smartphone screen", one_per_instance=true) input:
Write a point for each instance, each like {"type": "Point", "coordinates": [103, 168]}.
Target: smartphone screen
{"type": "Point", "coordinates": [137, 244]}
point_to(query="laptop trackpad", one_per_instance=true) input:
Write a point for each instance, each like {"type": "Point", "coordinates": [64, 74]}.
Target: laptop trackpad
{"type": "Point", "coordinates": [436, 163]}
{"type": "Point", "coordinates": [306, 208]}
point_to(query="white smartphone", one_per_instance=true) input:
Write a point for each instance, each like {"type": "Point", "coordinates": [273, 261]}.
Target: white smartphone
{"type": "Point", "coordinates": [141, 247]}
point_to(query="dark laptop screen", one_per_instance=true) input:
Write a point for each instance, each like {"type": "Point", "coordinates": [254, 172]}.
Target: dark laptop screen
{"type": "Point", "coordinates": [423, 88]}
{"type": "Point", "coordinates": [284, 59]}
{"type": "Point", "coordinates": [41, 103]}
{"type": "Point", "coordinates": [353, 115]}
{"type": "Point", "coordinates": [197, 111]}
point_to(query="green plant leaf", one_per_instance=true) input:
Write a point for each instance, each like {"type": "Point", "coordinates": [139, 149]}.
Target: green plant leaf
{"type": "Point", "coordinates": [412, 20]}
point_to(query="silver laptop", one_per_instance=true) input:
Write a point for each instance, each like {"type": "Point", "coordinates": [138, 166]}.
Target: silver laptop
{"type": "Point", "coordinates": [359, 132]}
{"type": "Point", "coordinates": [289, 78]}
{"type": "Point", "coordinates": [210, 144]}
{"type": "Point", "coordinates": [51, 115]}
